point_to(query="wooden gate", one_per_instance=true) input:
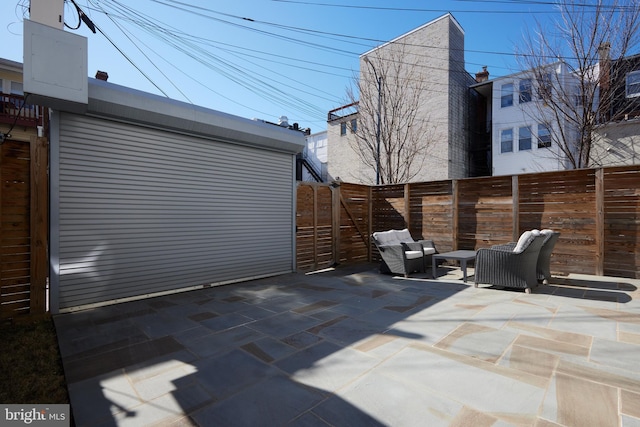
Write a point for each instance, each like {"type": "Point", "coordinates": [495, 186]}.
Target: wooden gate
{"type": "Point", "coordinates": [332, 225]}
{"type": "Point", "coordinates": [23, 227]}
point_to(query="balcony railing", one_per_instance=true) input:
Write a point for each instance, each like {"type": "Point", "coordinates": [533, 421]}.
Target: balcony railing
{"type": "Point", "coordinates": [13, 109]}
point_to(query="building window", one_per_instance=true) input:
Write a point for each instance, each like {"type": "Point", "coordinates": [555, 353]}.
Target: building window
{"type": "Point", "coordinates": [633, 84]}
{"type": "Point", "coordinates": [524, 138]}
{"type": "Point", "coordinates": [544, 136]}
{"type": "Point", "coordinates": [506, 99]}
{"type": "Point", "coordinates": [525, 91]}
{"type": "Point", "coordinates": [506, 141]}
{"type": "Point", "coordinates": [544, 86]}
{"type": "Point", "coordinates": [343, 128]}
{"type": "Point", "coordinates": [16, 88]}
{"type": "Point", "coordinates": [354, 125]}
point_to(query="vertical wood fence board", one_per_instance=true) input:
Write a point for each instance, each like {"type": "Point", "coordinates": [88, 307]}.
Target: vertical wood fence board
{"type": "Point", "coordinates": [622, 222]}
{"type": "Point", "coordinates": [304, 228]}
{"type": "Point", "coordinates": [485, 213]}
{"type": "Point", "coordinates": [388, 206]}
{"type": "Point", "coordinates": [39, 205]}
{"type": "Point", "coordinates": [354, 223]}
{"type": "Point", "coordinates": [324, 224]}
{"type": "Point", "coordinates": [565, 202]}
{"type": "Point", "coordinates": [431, 208]}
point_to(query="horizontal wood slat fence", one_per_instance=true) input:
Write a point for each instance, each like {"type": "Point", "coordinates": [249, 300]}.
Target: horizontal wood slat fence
{"type": "Point", "coordinates": [596, 210]}
{"type": "Point", "coordinates": [23, 228]}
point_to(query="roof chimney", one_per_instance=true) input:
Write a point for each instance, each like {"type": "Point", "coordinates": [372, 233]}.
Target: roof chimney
{"type": "Point", "coordinates": [102, 75]}
{"type": "Point", "coordinates": [482, 76]}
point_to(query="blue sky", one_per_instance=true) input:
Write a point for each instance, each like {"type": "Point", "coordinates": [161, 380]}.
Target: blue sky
{"type": "Point", "coordinates": [267, 58]}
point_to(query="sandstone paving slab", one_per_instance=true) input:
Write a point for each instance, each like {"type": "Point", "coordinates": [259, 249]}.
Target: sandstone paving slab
{"type": "Point", "coordinates": [158, 385]}
{"type": "Point", "coordinates": [284, 324]}
{"type": "Point", "coordinates": [479, 341]}
{"type": "Point", "coordinates": [610, 376]}
{"type": "Point", "coordinates": [553, 346]}
{"type": "Point", "coordinates": [274, 401]}
{"type": "Point", "coordinates": [630, 403]}
{"type": "Point", "coordinates": [427, 330]}
{"type": "Point", "coordinates": [268, 349]}
{"type": "Point", "coordinates": [465, 379]}
{"type": "Point", "coordinates": [326, 366]}
{"type": "Point", "coordinates": [221, 342]}
{"type": "Point", "coordinates": [628, 337]}
{"type": "Point", "coordinates": [351, 330]}
{"type": "Point", "coordinates": [629, 421]}
{"type": "Point", "coordinates": [497, 315]}
{"type": "Point", "coordinates": [381, 346]}
{"type": "Point", "coordinates": [164, 410]}
{"type": "Point", "coordinates": [393, 401]}
{"type": "Point", "coordinates": [551, 334]}
{"type": "Point", "coordinates": [573, 401]}
{"type": "Point", "coordinates": [308, 419]}
{"type": "Point", "coordinates": [616, 354]}
{"type": "Point", "coordinates": [157, 325]}
{"type": "Point", "coordinates": [579, 320]}
{"type": "Point", "coordinates": [535, 362]}
{"type": "Point", "coordinates": [99, 398]}
{"type": "Point", "coordinates": [182, 359]}
{"type": "Point", "coordinates": [226, 374]}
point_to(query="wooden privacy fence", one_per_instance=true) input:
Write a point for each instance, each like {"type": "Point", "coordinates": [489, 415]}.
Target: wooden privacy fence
{"type": "Point", "coordinates": [23, 227]}
{"type": "Point", "coordinates": [596, 210]}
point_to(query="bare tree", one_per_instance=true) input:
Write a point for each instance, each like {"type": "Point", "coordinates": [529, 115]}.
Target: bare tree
{"type": "Point", "coordinates": [586, 38]}
{"type": "Point", "coordinates": [393, 132]}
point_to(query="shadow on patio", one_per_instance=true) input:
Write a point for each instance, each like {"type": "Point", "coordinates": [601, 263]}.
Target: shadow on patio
{"type": "Point", "coordinates": [353, 347]}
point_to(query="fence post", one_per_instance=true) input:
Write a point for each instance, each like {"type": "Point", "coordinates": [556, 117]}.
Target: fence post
{"type": "Point", "coordinates": [407, 206]}
{"type": "Point", "coordinates": [369, 251]}
{"type": "Point", "coordinates": [454, 214]}
{"type": "Point", "coordinates": [515, 206]}
{"type": "Point", "coordinates": [38, 224]}
{"type": "Point", "coordinates": [335, 222]}
{"type": "Point", "coordinates": [599, 238]}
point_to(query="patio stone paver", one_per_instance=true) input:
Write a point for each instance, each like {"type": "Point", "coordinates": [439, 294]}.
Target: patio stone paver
{"type": "Point", "coordinates": [352, 347]}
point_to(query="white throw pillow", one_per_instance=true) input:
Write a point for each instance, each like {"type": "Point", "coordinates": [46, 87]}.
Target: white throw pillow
{"type": "Point", "coordinates": [404, 236]}
{"type": "Point", "coordinates": [523, 242]}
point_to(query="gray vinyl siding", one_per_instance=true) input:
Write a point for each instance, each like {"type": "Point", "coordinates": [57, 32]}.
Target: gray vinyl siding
{"type": "Point", "coordinates": [144, 211]}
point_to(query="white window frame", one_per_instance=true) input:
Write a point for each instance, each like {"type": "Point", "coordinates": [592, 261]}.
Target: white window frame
{"type": "Point", "coordinates": [632, 88]}
{"type": "Point", "coordinates": [520, 139]}
{"type": "Point", "coordinates": [504, 132]}
{"type": "Point", "coordinates": [544, 140]}
{"type": "Point", "coordinates": [343, 128]}
{"type": "Point", "coordinates": [525, 89]}
{"type": "Point", "coordinates": [506, 95]}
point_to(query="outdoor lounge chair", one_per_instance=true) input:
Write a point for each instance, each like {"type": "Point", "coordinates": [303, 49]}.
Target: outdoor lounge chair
{"type": "Point", "coordinates": [510, 266]}
{"type": "Point", "coordinates": [543, 269]}
{"type": "Point", "coordinates": [401, 254]}
{"type": "Point", "coordinates": [544, 259]}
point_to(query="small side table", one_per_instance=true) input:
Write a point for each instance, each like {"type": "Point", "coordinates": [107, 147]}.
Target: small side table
{"type": "Point", "coordinates": [462, 256]}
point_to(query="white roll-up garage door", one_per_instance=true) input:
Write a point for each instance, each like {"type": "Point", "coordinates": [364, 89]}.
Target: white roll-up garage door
{"type": "Point", "coordinates": [145, 211]}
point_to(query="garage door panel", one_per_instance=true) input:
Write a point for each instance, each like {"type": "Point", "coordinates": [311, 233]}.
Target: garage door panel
{"type": "Point", "coordinates": [144, 211]}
